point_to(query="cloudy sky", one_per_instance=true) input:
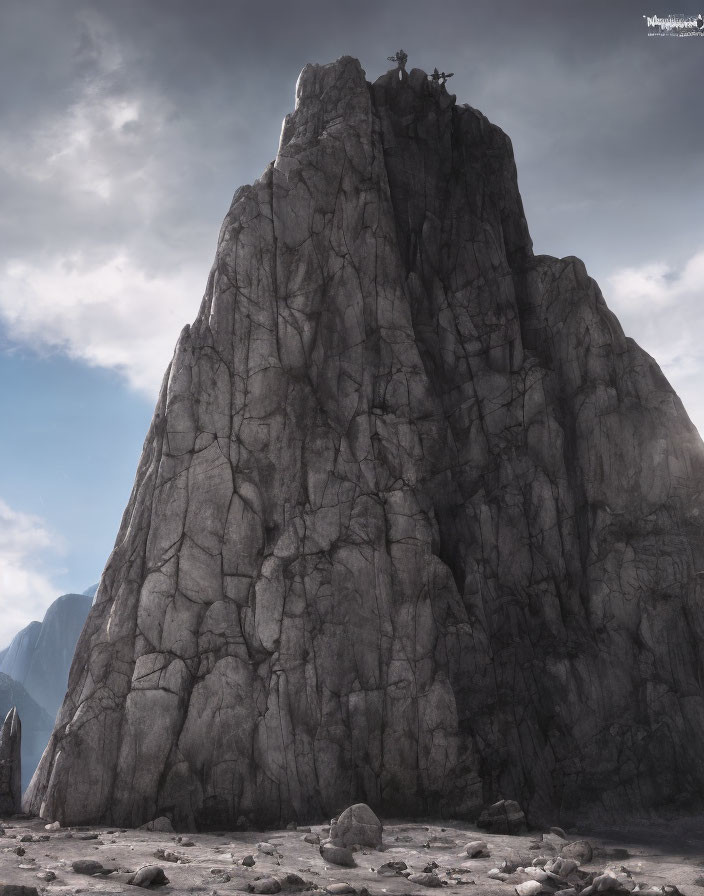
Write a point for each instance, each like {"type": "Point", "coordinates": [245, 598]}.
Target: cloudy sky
{"type": "Point", "coordinates": [127, 126]}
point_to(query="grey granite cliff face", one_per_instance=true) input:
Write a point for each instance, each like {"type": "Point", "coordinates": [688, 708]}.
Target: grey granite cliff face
{"type": "Point", "coordinates": [10, 764]}
{"type": "Point", "coordinates": [415, 524]}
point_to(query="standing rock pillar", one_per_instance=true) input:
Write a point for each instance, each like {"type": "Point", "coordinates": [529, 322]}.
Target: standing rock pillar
{"type": "Point", "coordinates": [10, 764]}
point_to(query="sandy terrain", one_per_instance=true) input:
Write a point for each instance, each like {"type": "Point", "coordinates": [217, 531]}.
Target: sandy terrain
{"type": "Point", "coordinates": [212, 862]}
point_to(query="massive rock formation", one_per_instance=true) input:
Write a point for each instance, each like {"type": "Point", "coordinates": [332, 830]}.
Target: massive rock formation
{"type": "Point", "coordinates": [415, 523]}
{"type": "Point", "coordinates": [37, 723]}
{"type": "Point", "coordinates": [10, 764]}
{"type": "Point", "coordinates": [39, 657]}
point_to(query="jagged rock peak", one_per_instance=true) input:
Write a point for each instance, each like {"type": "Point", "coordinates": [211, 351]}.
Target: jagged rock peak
{"type": "Point", "coordinates": [10, 764]}
{"type": "Point", "coordinates": [415, 525]}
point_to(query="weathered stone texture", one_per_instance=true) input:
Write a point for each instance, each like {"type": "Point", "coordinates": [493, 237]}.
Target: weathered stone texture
{"type": "Point", "coordinates": [11, 764]}
{"type": "Point", "coordinates": [415, 524]}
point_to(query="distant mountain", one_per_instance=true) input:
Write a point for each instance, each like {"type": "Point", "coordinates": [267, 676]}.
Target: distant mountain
{"type": "Point", "coordinates": [90, 592]}
{"type": "Point", "coordinates": [36, 723]}
{"type": "Point", "coordinates": [17, 657]}
{"type": "Point", "coordinates": [39, 657]}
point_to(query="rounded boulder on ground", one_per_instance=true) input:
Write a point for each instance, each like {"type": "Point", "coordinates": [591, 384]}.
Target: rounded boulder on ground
{"type": "Point", "coordinates": [579, 850]}
{"type": "Point", "coordinates": [337, 855]}
{"type": "Point", "coordinates": [504, 817]}
{"type": "Point", "coordinates": [357, 825]}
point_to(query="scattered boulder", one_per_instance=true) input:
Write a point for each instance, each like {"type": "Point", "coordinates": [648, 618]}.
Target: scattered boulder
{"type": "Point", "coordinates": [87, 866]}
{"type": "Point", "coordinates": [579, 850]}
{"type": "Point", "coordinates": [337, 855]}
{"type": "Point", "coordinates": [561, 866]}
{"type": "Point", "coordinates": [311, 838]}
{"type": "Point", "coordinates": [268, 849]}
{"type": "Point", "coordinates": [168, 856]}
{"type": "Point", "coordinates": [529, 888]}
{"type": "Point", "coordinates": [440, 842]}
{"type": "Point", "coordinates": [504, 817]}
{"type": "Point", "coordinates": [389, 868]}
{"type": "Point", "coordinates": [249, 861]}
{"type": "Point", "coordinates": [149, 876]}
{"type": "Point", "coordinates": [356, 825]}
{"type": "Point", "coordinates": [161, 824]}
{"type": "Point", "coordinates": [425, 879]}
{"type": "Point", "coordinates": [46, 876]}
{"type": "Point", "coordinates": [17, 890]}
{"type": "Point", "coordinates": [291, 879]}
{"type": "Point", "coordinates": [265, 885]}
{"type": "Point", "coordinates": [558, 832]}
{"type": "Point", "coordinates": [54, 826]}
{"type": "Point", "coordinates": [477, 849]}
{"type": "Point", "coordinates": [340, 889]}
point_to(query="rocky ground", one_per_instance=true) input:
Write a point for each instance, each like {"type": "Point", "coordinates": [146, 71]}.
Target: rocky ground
{"type": "Point", "coordinates": [643, 858]}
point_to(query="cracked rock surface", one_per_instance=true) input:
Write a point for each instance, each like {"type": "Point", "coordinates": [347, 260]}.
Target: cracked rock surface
{"type": "Point", "coordinates": [10, 764]}
{"type": "Point", "coordinates": [415, 524]}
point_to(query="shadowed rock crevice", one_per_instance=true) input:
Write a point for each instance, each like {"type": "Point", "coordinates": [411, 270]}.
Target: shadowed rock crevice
{"type": "Point", "coordinates": [415, 525]}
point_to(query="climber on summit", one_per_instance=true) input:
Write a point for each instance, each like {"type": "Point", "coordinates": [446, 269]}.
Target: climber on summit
{"type": "Point", "coordinates": [400, 58]}
{"type": "Point", "coordinates": [439, 77]}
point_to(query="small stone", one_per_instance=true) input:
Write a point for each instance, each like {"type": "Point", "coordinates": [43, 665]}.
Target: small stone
{"type": "Point", "coordinates": [337, 855]}
{"type": "Point", "coordinates": [424, 879]}
{"type": "Point", "coordinates": [267, 848]}
{"type": "Point", "coordinates": [249, 861]}
{"type": "Point", "coordinates": [46, 876]}
{"type": "Point", "coordinates": [496, 874]}
{"type": "Point", "coordinates": [579, 850]}
{"type": "Point", "coordinates": [389, 868]}
{"type": "Point", "coordinates": [311, 838]}
{"type": "Point", "coordinates": [529, 888]}
{"type": "Point", "coordinates": [17, 890]}
{"type": "Point", "coordinates": [187, 843]}
{"type": "Point", "coordinates": [150, 875]}
{"type": "Point", "coordinates": [88, 836]}
{"type": "Point", "coordinates": [699, 881]}
{"type": "Point", "coordinates": [19, 850]}
{"type": "Point", "coordinates": [440, 843]}
{"type": "Point", "coordinates": [290, 879]}
{"type": "Point", "coordinates": [303, 829]}
{"type": "Point", "coordinates": [265, 885]}
{"type": "Point", "coordinates": [561, 866]}
{"type": "Point", "coordinates": [476, 848]}
{"type": "Point", "coordinates": [26, 838]}
{"type": "Point", "coordinates": [87, 866]}
{"type": "Point", "coordinates": [604, 882]}
{"type": "Point", "coordinates": [340, 889]}
{"type": "Point", "coordinates": [161, 824]}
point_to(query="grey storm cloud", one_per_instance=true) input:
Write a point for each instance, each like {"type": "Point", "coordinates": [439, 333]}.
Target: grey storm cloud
{"type": "Point", "coordinates": [128, 126]}
{"type": "Point", "coordinates": [598, 113]}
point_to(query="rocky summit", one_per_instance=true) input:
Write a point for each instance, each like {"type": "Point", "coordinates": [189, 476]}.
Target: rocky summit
{"type": "Point", "coordinates": [415, 524]}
